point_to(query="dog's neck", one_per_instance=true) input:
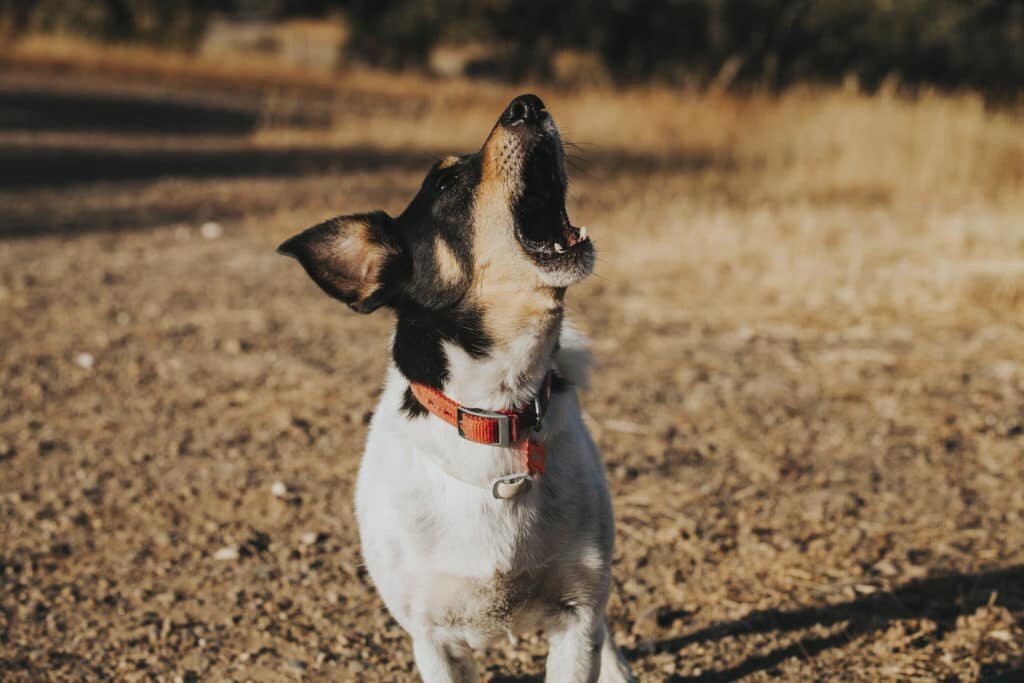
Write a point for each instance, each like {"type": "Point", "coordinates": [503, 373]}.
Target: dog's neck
{"type": "Point", "coordinates": [457, 354]}
{"type": "Point", "coordinates": [511, 374]}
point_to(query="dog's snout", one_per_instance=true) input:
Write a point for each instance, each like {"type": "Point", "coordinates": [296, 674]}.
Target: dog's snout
{"type": "Point", "coordinates": [525, 108]}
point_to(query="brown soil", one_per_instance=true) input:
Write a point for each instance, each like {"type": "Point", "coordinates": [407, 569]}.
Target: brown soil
{"type": "Point", "coordinates": [809, 491]}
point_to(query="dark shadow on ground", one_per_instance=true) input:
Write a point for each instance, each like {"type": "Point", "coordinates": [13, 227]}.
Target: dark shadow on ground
{"type": "Point", "coordinates": [24, 168]}
{"type": "Point", "coordinates": [1014, 675]}
{"type": "Point", "coordinates": [119, 141]}
{"type": "Point", "coordinates": [28, 166]}
{"type": "Point", "coordinates": [55, 166]}
{"type": "Point", "coordinates": [941, 599]}
{"type": "Point", "coordinates": [37, 110]}
{"type": "Point", "coordinates": [48, 220]}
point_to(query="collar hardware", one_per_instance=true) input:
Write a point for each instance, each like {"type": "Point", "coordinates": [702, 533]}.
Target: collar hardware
{"type": "Point", "coordinates": [504, 429]}
{"type": "Point", "coordinates": [501, 420]}
{"type": "Point", "coordinates": [511, 486]}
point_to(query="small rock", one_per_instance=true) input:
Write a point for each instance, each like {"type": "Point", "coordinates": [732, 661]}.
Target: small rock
{"type": "Point", "coordinates": [886, 568]}
{"type": "Point", "coordinates": [211, 230]}
{"type": "Point", "coordinates": [166, 598]}
{"type": "Point", "coordinates": [279, 489]}
{"type": "Point", "coordinates": [226, 553]}
{"type": "Point", "coordinates": [310, 538]}
{"type": "Point", "coordinates": [84, 360]}
{"type": "Point", "coordinates": [232, 346]}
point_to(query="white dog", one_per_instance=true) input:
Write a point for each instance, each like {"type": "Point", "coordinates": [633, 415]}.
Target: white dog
{"type": "Point", "coordinates": [482, 502]}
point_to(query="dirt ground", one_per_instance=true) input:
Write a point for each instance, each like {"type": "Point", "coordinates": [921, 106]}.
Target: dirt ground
{"type": "Point", "coordinates": [808, 484]}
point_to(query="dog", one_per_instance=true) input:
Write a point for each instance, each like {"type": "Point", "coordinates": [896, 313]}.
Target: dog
{"type": "Point", "coordinates": [482, 502]}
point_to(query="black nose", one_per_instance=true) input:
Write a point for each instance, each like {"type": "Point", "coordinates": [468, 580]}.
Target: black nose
{"type": "Point", "coordinates": [526, 108]}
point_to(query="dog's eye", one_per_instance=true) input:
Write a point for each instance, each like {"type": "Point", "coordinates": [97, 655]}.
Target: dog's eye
{"type": "Point", "coordinates": [445, 181]}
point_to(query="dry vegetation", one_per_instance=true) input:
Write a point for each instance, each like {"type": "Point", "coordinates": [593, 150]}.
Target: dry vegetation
{"type": "Point", "coordinates": [808, 317]}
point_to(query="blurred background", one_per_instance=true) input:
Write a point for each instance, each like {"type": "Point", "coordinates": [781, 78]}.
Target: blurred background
{"type": "Point", "coordinates": [766, 43]}
{"type": "Point", "coordinates": [808, 316]}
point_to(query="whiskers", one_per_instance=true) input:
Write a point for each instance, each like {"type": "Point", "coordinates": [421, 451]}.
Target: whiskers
{"type": "Point", "coordinates": [575, 155]}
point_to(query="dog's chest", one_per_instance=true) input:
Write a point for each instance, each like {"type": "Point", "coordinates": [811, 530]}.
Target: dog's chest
{"type": "Point", "coordinates": [467, 563]}
{"type": "Point", "coordinates": [505, 603]}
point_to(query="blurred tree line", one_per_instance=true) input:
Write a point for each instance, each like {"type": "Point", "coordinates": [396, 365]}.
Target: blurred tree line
{"type": "Point", "coordinates": [773, 43]}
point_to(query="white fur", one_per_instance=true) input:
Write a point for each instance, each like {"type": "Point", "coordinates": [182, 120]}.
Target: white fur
{"type": "Point", "coordinates": [458, 568]}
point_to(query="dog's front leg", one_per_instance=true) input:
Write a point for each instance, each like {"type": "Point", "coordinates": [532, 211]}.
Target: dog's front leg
{"type": "Point", "coordinates": [440, 662]}
{"type": "Point", "coordinates": [575, 648]}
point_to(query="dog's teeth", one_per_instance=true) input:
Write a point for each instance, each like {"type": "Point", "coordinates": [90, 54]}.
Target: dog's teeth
{"type": "Point", "coordinates": [583, 233]}
{"type": "Point", "coordinates": [559, 248]}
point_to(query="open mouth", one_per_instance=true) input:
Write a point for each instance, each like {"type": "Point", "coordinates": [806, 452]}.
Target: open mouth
{"type": "Point", "coordinates": [567, 242]}
{"type": "Point", "coordinates": [542, 224]}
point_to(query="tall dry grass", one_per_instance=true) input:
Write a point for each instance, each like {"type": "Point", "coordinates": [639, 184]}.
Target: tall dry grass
{"type": "Point", "coordinates": [814, 142]}
{"type": "Point", "coordinates": [830, 206]}
{"type": "Point", "coordinates": [826, 205]}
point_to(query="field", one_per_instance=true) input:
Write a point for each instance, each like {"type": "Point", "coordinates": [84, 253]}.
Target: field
{"type": "Point", "coordinates": [808, 318]}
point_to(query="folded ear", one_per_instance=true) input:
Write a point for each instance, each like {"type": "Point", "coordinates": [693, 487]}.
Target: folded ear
{"type": "Point", "coordinates": [353, 258]}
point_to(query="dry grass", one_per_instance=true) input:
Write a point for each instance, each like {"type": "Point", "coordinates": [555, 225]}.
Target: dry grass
{"type": "Point", "coordinates": [815, 202]}
{"type": "Point", "coordinates": [823, 202]}
{"type": "Point", "coordinates": [818, 203]}
{"type": "Point", "coordinates": [70, 54]}
{"type": "Point", "coordinates": [842, 206]}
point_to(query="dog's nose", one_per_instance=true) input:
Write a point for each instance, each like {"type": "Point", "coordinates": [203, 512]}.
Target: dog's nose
{"type": "Point", "coordinates": [525, 108]}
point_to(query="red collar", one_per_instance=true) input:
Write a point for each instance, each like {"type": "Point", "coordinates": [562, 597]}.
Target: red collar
{"type": "Point", "coordinates": [503, 428]}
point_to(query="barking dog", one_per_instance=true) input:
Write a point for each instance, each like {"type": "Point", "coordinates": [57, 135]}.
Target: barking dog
{"type": "Point", "coordinates": [482, 502]}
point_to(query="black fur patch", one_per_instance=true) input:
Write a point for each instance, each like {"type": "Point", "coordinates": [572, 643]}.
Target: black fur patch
{"type": "Point", "coordinates": [432, 310]}
{"type": "Point", "coordinates": [441, 210]}
{"type": "Point", "coordinates": [417, 348]}
{"type": "Point", "coordinates": [434, 305]}
{"type": "Point", "coordinates": [411, 406]}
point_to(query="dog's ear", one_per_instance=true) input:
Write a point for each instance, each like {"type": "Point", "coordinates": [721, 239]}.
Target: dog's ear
{"type": "Point", "coordinates": [354, 258]}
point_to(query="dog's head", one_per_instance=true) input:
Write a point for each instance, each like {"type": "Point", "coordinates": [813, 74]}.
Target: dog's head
{"type": "Point", "coordinates": [487, 234]}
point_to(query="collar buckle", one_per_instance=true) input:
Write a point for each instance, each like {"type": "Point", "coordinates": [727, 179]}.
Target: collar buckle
{"type": "Point", "coordinates": [538, 411]}
{"type": "Point", "coordinates": [503, 421]}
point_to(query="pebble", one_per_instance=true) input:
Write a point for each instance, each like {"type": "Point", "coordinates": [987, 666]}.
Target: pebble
{"type": "Point", "coordinates": [226, 553]}
{"type": "Point", "coordinates": [232, 346]}
{"type": "Point", "coordinates": [310, 538]}
{"type": "Point", "coordinates": [211, 230]}
{"type": "Point", "coordinates": [279, 489]}
{"type": "Point", "coordinates": [84, 360]}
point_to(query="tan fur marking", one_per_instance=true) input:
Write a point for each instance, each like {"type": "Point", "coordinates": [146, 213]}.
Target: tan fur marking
{"type": "Point", "coordinates": [355, 245]}
{"type": "Point", "coordinates": [448, 266]}
{"type": "Point", "coordinates": [448, 162]}
{"type": "Point", "coordinates": [505, 283]}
